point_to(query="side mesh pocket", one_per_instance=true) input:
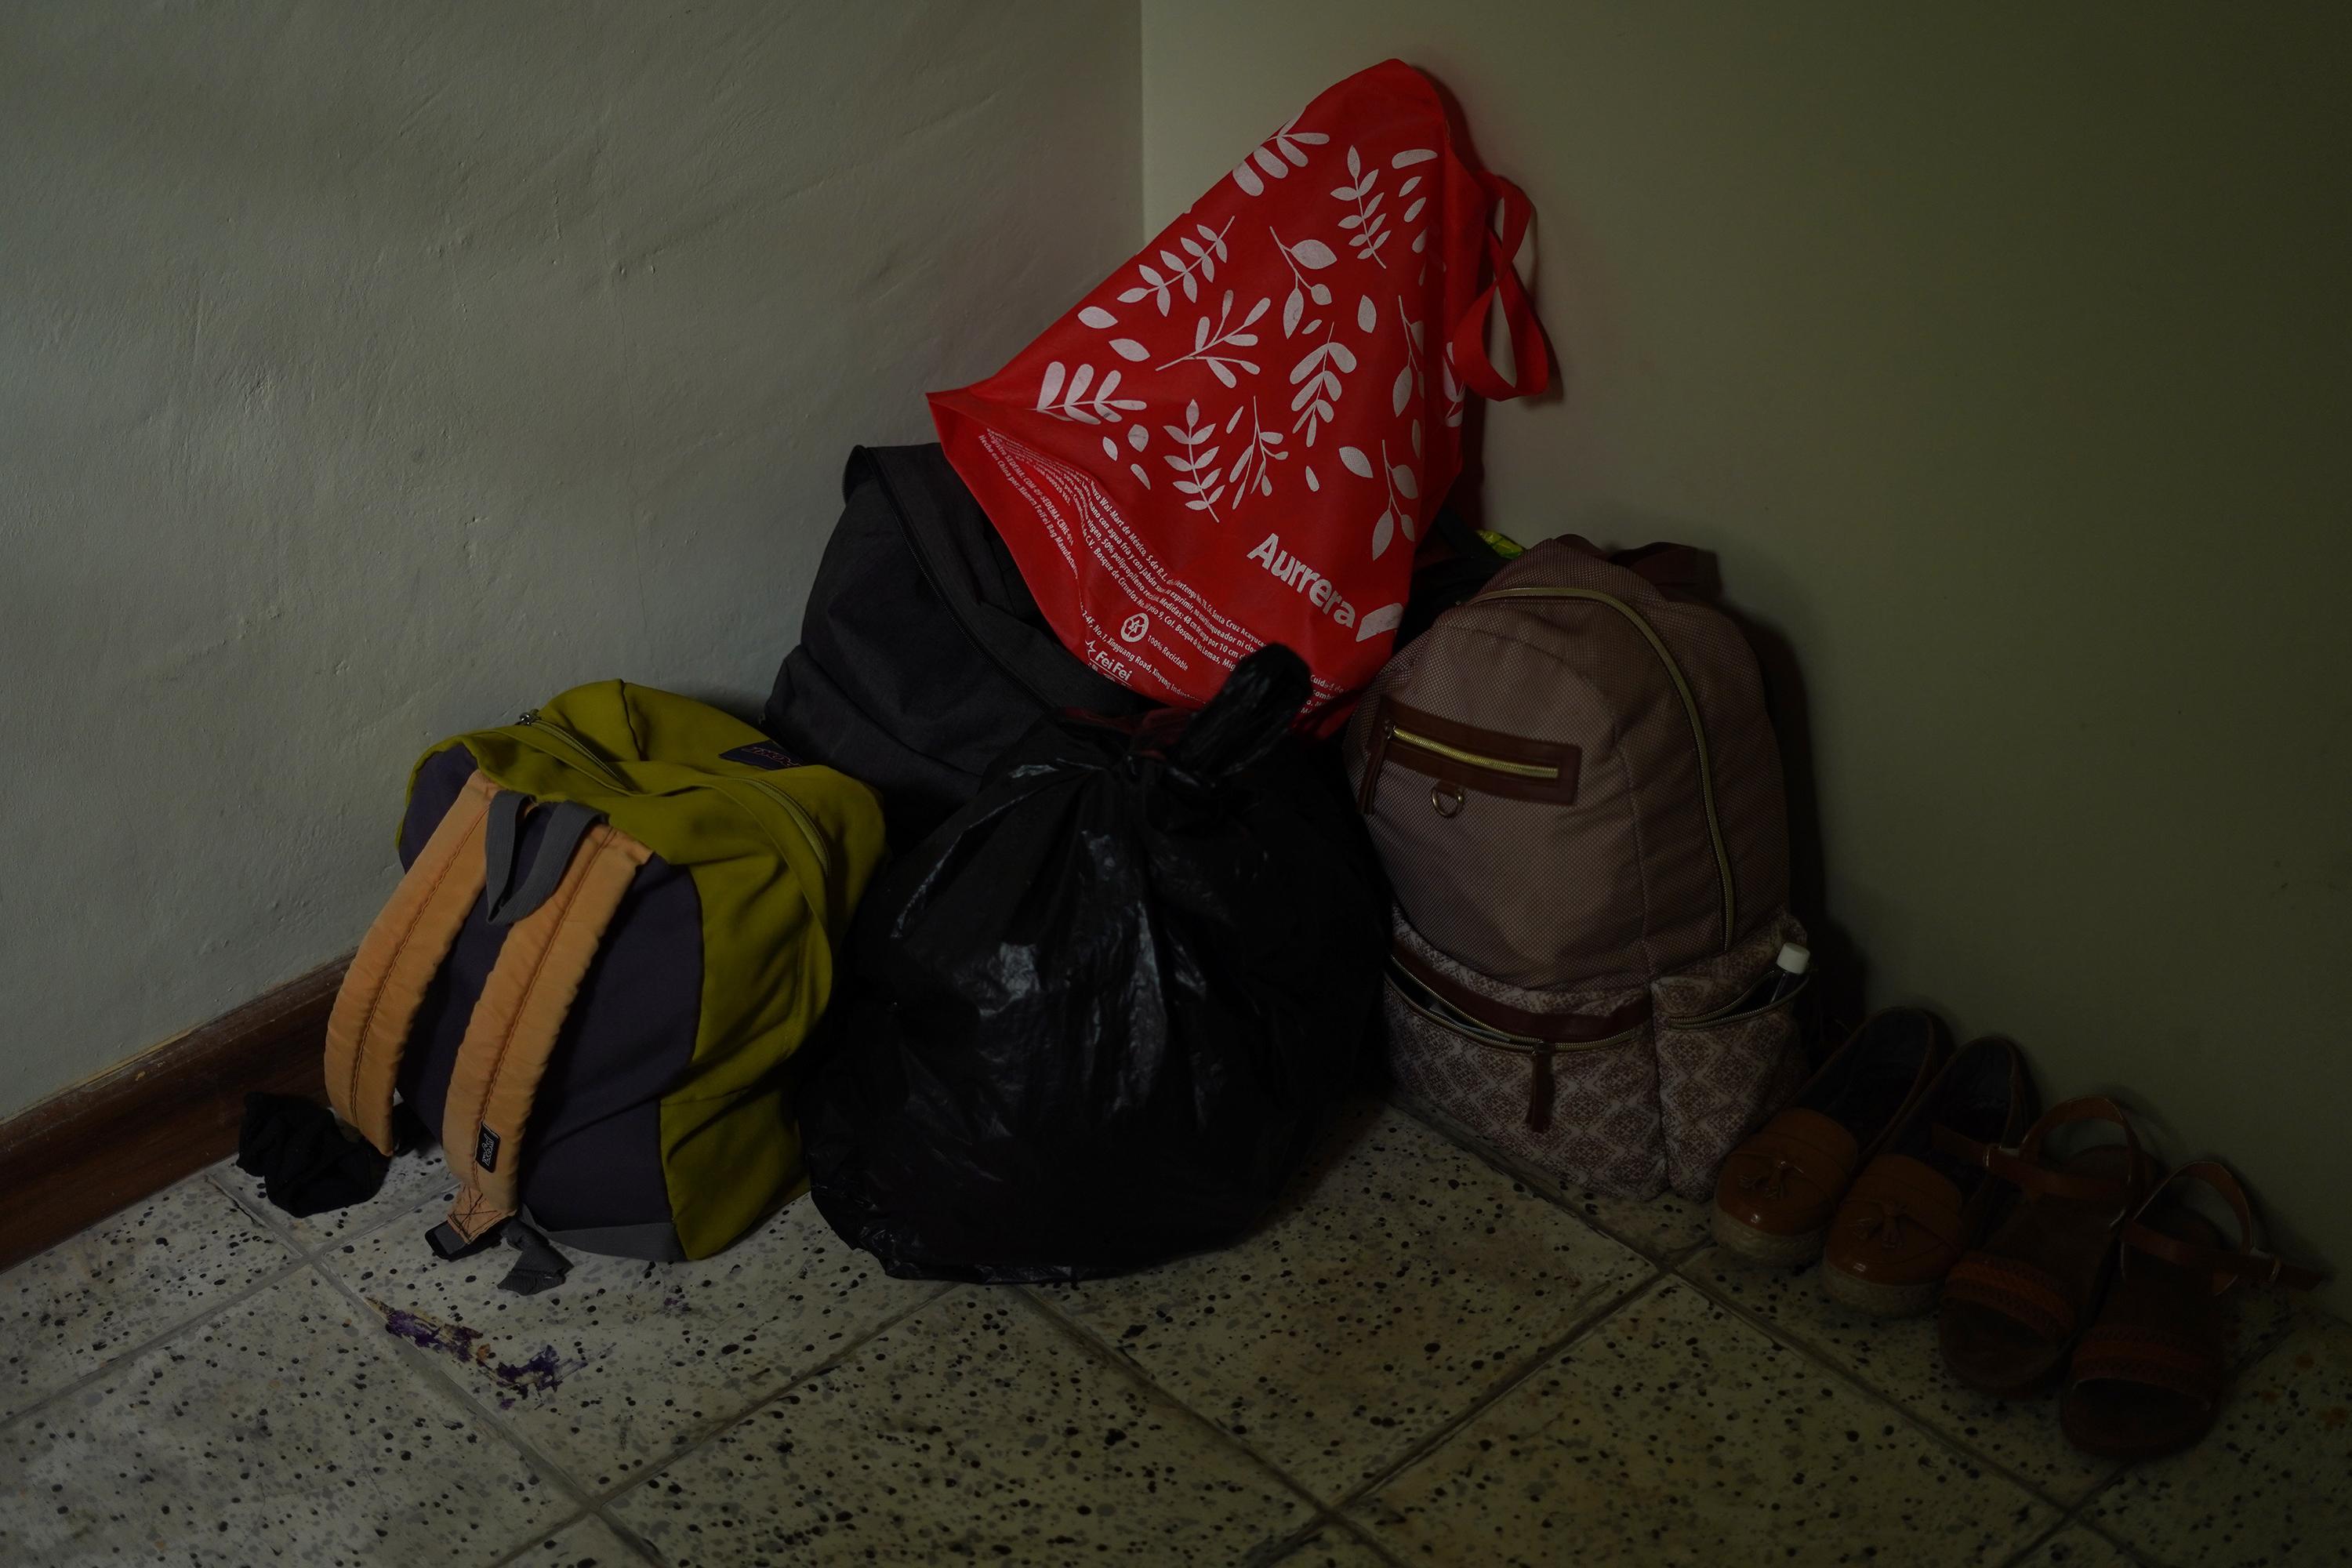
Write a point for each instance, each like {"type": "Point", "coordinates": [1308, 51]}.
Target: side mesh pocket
{"type": "Point", "coordinates": [1587, 1114]}
{"type": "Point", "coordinates": [1723, 1067]}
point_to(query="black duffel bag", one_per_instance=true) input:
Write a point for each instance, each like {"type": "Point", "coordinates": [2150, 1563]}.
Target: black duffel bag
{"type": "Point", "coordinates": [922, 656]}
{"type": "Point", "coordinates": [1097, 1019]}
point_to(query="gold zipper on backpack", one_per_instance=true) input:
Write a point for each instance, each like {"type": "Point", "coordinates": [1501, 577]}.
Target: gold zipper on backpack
{"type": "Point", "coordinates": [801, 819]}
{"type": "Point", "coordinates": [1690, 711]}
{"type": "Point", "coordinates": [1492, 764]}
{"type": "Point", "coordinates": [596, 764]}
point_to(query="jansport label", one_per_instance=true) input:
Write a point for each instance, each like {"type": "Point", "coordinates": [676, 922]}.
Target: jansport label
{"type": "Point", "coordinates": [762, 754]}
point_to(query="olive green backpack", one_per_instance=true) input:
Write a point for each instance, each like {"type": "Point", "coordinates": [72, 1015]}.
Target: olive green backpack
{"type": "Point", "coordinates": [619, 922]}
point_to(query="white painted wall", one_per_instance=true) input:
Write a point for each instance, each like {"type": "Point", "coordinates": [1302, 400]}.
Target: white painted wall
{"type": "Point", "coordinates": [370, 371]}
{"type": "Point", "coordinates": [2002, 354]}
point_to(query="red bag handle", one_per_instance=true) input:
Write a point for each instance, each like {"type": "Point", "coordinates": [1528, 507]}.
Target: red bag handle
{"type": "Point", "coordinates": [1469, 340]}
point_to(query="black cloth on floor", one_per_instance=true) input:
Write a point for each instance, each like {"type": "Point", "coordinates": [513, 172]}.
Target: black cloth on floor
{"type": "Point", "coordinates": [308, 1163]}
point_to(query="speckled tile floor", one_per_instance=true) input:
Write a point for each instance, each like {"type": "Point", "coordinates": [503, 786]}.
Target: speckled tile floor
{"type": "Point", "coordinates": [1424, 1356]}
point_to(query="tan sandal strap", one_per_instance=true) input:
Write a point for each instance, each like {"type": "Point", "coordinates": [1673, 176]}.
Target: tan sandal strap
{"type": "Point", "coordinates": [2016, 1289]}
{"type": "Point", "coordinates": [2019, 1169]}
{"type": "Point", "coordinates": [2260, 1267]}
{"type": "Point", "coordinates": [513, 1030]}
{"type": "Point", "coordinates": [1962, 1147]}
{"type": "Point", "coordinates": [368, 1027]}
{"type": "Point", "coordinates": [2142, 1353]}
{"type": "Point", "coordinates": [2023, 1167]}
{"type": "Point", "coordinates": [2245, 1261]}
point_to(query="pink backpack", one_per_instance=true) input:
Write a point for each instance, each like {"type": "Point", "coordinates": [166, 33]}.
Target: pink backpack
{"type": "Point", "coordinates": [1576, 791]}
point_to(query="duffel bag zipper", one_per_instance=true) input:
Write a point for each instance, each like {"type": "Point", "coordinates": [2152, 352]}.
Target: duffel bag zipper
{"type": "Point", "coordinates": [535, 719]}
{"type": "Point", "coordinates": [1690, 711]}
{"type": "Point", "coordinates": [802, 820]}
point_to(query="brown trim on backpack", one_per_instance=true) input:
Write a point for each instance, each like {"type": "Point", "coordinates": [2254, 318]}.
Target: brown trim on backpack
{"type": "Point", "coordinates": [1545, 1028]}
{"type": "Point", "coordinates": [1397, 731]}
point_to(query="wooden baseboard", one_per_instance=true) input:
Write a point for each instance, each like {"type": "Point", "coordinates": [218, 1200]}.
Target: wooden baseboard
{"type": "Point", "coordinates": [165, 1114]}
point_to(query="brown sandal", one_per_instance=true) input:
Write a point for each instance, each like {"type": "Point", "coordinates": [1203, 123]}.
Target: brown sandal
{"type": "Point", "coordinates": [2147, 1377]}
{"type": "Point", "coordinates": [2013, 1309]}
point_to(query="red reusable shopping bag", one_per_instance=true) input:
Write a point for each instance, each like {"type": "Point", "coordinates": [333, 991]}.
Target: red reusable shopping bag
{"type": "Point", "coordinates": [1235, 438]}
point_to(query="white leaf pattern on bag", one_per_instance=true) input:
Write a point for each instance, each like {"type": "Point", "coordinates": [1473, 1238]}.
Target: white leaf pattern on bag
{"type": "Point", "coordinates": [1402, 491]}
{"type": "Point", "coordinates": [1401, 483]}
{"type": "Point", "coordinates": [1156, 284]}
{"type": "Point", "coordinates": [1313, 254]}
{"type": "Point", "coordinates": [1227, 333]}
{"type": "Point", "coordinates": [1201, 482]}
{"type": "Point", "coordinates": [1288, 142]}
{"type": "Point", "coordinates": [1253, 469]}
{"type": "Point", "coordinates": [1410, 379]}
{"type": "Point", "coordinates": [1369, 228]}
{"type": "Point", "coordinates": [1317, 376]}
{"type": "Point", "coordinates": [1097, 317]}
{"type": "Point", "coordinates": [1385, 618]}
{"type": "Point", "coordinates": [1071, 402]}
{"type": "Point", "coordinates": [1411, 156]}
{"type": "Point", "coordinates": [1452, 390]}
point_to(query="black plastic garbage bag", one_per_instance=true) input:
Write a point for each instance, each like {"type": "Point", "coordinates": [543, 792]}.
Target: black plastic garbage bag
{"type": "Point", "coordinates": [1095, 1020]}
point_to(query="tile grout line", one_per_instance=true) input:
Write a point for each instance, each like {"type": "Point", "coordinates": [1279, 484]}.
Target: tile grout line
{"type": "Point", "coordinates": [718, 1426]}
{"type": "Point", "coordinates": [514, 1554]}
{"type": "Point", "coordinates": [1542, 1357]}
{"type": "Point", "coordinates": [2080, 1515]}
{"type": "Point", "coordinates": [2024, 1553]}
{"type": "Point", "coordinates": [597, 1503]}
{"type": "Point", "coordinates": [195, 1319]}
{"type": "Point", "coordinates": [1783, 1335]}
{"type": "Point", "coordinates": [326, 1244]}
{"type": "Point", "coordinates": [257, 1213]}
{"type": "Point", "coordinates": [1370, 1542]}
{"type": "Point", "coordinates": [1097, 1350]}
{"type": "Point", "coordinates": [414, 1358]}
{"type": "Point", "coordinates": [1543, 1186]}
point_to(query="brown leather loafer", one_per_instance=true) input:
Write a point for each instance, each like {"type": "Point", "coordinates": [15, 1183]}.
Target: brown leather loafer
{"type": "Point", "coordinates": [1777, 1190]}
{"type": "Point", "coordinates": [1928, 1199]}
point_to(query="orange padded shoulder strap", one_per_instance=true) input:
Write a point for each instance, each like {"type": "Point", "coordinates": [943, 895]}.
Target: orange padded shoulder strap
{"type": "Point", "coordinates": [512, 1032]}
{"type": "Point", "coordinates": [397, 960]}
